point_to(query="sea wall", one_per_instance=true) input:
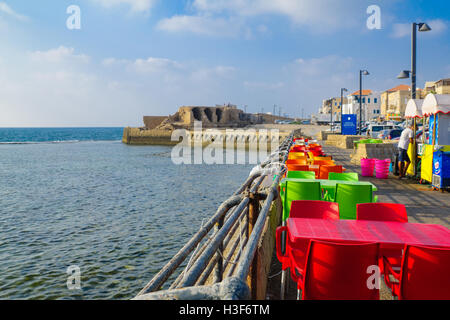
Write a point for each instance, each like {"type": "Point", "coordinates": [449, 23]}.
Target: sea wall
{"type": "Point", "coordinates": [237, 138]}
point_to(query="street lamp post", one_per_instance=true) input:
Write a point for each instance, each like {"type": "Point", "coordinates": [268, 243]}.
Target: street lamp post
{"type": "Point", "coordinates": [342, 104]}
{"type": "Point", "coordinates": [331, 114]}
{"type": "Point", "coordinates": [361, 73]}
{"type": "Point", "coordinates": [423, 27]}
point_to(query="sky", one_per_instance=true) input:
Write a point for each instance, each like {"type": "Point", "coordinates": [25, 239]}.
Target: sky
{"type": "Point", "coordinates": [130, 58]}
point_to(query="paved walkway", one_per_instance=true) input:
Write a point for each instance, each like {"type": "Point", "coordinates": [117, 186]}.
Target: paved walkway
{"type": "Point", "coordinates": [422, 204]}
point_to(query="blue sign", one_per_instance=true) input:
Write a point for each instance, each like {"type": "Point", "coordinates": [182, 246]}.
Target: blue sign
{"type": "Point", "coordinates": [348, 124]}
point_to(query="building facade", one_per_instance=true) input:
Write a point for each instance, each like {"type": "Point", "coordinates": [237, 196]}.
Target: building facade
{"type": "Point", "coordinates": [394, 101]}
{"type": "Point", "coordinates": [371, 103]}
{"type": "Point", "coordinates": [333, 104]}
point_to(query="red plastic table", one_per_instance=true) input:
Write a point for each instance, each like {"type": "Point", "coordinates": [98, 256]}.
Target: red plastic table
{"type": "Point", "coordinates": [384, 232]}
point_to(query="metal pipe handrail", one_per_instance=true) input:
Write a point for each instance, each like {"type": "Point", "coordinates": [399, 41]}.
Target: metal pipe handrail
{"type": "Point", "coordinates": [193, 274]}
{"type": "Point", "coordinates": [226, 218]}
{"type": "Point", "coordinates": [173, 264]}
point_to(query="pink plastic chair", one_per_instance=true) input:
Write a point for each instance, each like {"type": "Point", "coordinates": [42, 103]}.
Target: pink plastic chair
{"type": "Point", "coordinates": [424, 274]}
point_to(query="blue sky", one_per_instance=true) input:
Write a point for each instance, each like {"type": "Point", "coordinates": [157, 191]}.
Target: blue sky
{"type": "Point", "coordinates": [148, 57]}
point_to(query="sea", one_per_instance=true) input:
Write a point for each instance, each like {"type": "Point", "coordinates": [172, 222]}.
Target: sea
{"type": "Point", "coordinates": [84, 216]}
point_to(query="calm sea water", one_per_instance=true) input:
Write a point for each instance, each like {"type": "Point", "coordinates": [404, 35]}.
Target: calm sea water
{"type": "Point", "coordinates": [81, 197]}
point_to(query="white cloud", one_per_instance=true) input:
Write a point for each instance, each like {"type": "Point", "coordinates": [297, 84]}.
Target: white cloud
{"type": "Point", "coordinates": [135, 5]}
{"type": "Point", "coordinates": [235, 17]}
{"type": "Point", "coordinates": [401, 30]}
{"type": "Point", "coordinates": [438, 25]}
{"type": "Point", "coordinates": [318, 12]}
{"type": "Point", "coordinates": [61, 54]}
{"type": "Point", "coordinates": [202, 25]}
{"type": "Point", "coordinates": [264, 85]}
{"type": "Point", "coordinates": [4, 8]}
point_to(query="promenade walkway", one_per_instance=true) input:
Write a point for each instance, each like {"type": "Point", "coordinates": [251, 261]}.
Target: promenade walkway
{"type": "Point", "coordinates": [422, 204]}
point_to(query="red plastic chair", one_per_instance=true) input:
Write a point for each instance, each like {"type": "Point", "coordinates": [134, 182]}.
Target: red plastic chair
{"type": "Point", "coordinates": [424, 274]}
{"type": "Point", "coordinates": [384, 212]}
{"type": "Point", "coordinates": [381, 212]}
{"type": "Point", "coordinates": [304, 209]}
{"type": "Point", "coordinates": [325, 170]}
{"type": "Point", "coordinates": [337, 271]}
{"type": "Point", "coordinates": [314, 209]}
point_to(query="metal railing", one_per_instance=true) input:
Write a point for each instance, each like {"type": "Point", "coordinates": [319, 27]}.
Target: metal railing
{"type": "Point", "coordinates": [225, 244]}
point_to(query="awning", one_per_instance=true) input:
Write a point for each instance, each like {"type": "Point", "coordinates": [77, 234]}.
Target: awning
{"type": "Point", "coordinates": [436, 103]}
{"type": "Point", "coordinates": [414, 108]}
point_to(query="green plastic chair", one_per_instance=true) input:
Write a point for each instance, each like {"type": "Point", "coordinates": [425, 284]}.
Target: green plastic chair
{"type": "Point", "coordinates": [349, 195]}
{"type": "Point", "coordinates": [298, 190]}
{"type": "Point", "coordinates": [301, 174]}
{"type": "Point", "coordinates": [346, 176]}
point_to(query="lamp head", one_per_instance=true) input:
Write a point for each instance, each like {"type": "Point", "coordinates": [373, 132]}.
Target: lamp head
{"type": "Point", "coordinates": [404, 74]}
{"type": "Point", "coordinates": [365, 72]}
{"type": "Point", "coordinates": [423, 27]}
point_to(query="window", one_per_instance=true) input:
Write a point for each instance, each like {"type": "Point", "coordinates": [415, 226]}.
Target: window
{"type": "Point", "coordinates": [375, 100]}
{"type": "Point", "coordinates": [368, 100]}
{"type": "Point", "coordinates": [364, 100]}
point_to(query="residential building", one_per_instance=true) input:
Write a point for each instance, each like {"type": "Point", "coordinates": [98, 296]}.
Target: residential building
{"type": "Point", "coordinates": [335, 105]}
{"type": "Point", "coordinates": [371, 102]}
{"type": "Point", "coordinates": [438, 87]}
{"type": "Point", "coordinates": [394, 101]}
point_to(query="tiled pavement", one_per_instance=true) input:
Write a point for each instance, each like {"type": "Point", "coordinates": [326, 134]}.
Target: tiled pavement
{"type": "Point", "coordinates": [422, 204]}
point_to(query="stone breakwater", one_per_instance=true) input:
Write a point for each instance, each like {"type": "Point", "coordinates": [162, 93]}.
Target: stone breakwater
{"type": "Point", "coordinates": [239, 137]}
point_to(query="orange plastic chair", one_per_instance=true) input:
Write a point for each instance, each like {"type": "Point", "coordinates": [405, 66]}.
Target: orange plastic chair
{"type": "Point", "coordinates": [324, 162]}
{"type": "Point", "coordinates": [423, 276]}
{"type": "Point", "coordinates": [336, 271]}
{"type": "Point", "coordinates": [297, 155]}
{"type": "Point", "coordinates": [296, 161]}
{"type": "Point", "coordinates": [325, 170]}
{"type": "Point", "coordinates": [316, 170]}
{"type": "Point", "coordinates": [297, 167]}
{"type": "Point", "coordinates": [323, 158]}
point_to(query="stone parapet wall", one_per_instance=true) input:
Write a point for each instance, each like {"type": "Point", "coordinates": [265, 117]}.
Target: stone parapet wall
{"type": "Point", "coordinates": [373, 151]}
{"type": "Point", "coordinates": [341, 141]}
{"type": "Point", "coordinates": [236, 138]}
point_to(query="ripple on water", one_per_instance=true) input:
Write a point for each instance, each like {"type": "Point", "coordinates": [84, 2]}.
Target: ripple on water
{"type": "Point", "coordinates": [119, 213]}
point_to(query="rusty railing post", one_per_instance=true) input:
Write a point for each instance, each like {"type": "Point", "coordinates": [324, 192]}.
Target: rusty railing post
{"type": "Point", "coordinates": [253, 213]}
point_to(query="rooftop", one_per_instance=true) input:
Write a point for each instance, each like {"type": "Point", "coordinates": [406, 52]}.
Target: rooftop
{"type": "Point", "coordinates": [364, 93]}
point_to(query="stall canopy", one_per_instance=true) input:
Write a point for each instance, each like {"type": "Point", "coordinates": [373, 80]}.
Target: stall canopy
{"type": "Point", "coordinates": [436, 103]}
{"type": "Point", "coordinates": [414, 108]}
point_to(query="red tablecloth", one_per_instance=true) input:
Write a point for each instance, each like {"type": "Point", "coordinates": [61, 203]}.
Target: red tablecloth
{"type": "Point", "coordinates": [390, 233]}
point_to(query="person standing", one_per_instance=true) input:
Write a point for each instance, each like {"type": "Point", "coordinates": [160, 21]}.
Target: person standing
{"type": "Point", "coordinates": [406, 138]}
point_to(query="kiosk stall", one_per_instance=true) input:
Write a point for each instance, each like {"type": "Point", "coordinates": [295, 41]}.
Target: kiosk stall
{"type": "Point", "coordinates": [436, 154]}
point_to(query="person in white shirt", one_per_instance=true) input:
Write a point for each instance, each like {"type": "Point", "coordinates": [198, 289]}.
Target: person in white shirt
{"type": "Point", "coordinates": [406, 138]}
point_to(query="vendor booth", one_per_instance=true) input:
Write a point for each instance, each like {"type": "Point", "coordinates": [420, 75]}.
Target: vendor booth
{"type": "Point", "coordinates": [436, 152]}
{"type": "Point", "coordinates": [413, 111]}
